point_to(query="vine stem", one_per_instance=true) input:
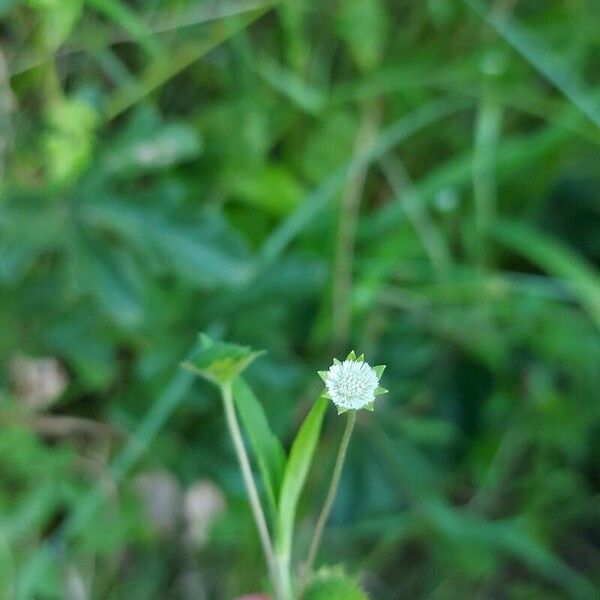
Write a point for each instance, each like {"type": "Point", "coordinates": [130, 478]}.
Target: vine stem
{"type": "Point", "coordinates": [333, 487]}
{"type": "Point", "coordinates": [257, 510]}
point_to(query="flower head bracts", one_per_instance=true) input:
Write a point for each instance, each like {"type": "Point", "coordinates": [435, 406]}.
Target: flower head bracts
{"type": "Point", "coordinates": [353, 383]}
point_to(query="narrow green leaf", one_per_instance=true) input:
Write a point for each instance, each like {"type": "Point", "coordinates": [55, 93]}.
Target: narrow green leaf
{"type": "Point", "coordinates": [364, 25]}
{"type": "Point", "coordinates": [286, 81]}
{"type": "Point", "coordinates": [107, 276]}
{"type": "Point", "coordinates": [166, 67]}
{"type": "Point", "coordinates": [360, 358]}
{"type": "Point", "coordinates": [351, 356]}
{"type": "Point", "coordinates": [336, 361]}
{"type": "Point", "coordinates": [509, 537]}
{"type": "Point", "coordinates": [370, 406]}
{"type": "Point", "coordinates": [124, 16]}
{"type": "Point", "coordinates": [295, 474]}
{"type": "Point", "coordinates": [267, 449]}
{"type": "Point", "coordinates": [380, 390]}
{"type": "Point", "coordinates": [195, 249]}
{"type": "Point", "coordinates": [555, 258]}
{"type": "Point", "coordinates": [323, 375]}
{"type": "Point", "coordinates": [341, 410]}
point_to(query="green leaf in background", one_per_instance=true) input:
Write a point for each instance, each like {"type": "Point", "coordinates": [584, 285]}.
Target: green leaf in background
{"type": "Point", "coordinates": [197, 250]}
{"type": "Point", "coordinates": [268, 450]}
{"type": "Point", "coordinates": [479, 537]}
{"type": "Point", "coordinates": [273, 189]}
{"type": "Point", "coordinates": [82, 340]}
{"type": "Point", "coordinates": [296, 470]}
{"type": "Point", "coordinates": [127, 18]}
{"type": "Point", "coordinates": [363, 25]}
{"type": "Point", "coordinates": [333, 584]}
{"type": "Point", "coordinates": [196, 258]}
{"type": "Point", "coordinates": [69, 140]}
{"type": "Point", "coordinates": [556, 259]}
{"type": "Point", "coordinates": [286, 81]}
{"type": "Point", "coordinates": [153, 145]}
{"type": "Point", "coordinates": [29, 226]}
{"type": "Point", "coordinates": [219, 362]}
{"type": "Point", "coordinates": [5, 6]}
{"type": "Point", "coordinates": [328, 144]}
{"type": "Point", "coordinates": [107, 276]}
{"type": "Point", "coordinates": [58, 17]}
{"type": "Point", "coordinates": [6, 566]}
{"type": "Point", "coordinates": [204, 153]}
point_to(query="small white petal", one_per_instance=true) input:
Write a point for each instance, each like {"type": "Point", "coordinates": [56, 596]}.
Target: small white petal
{"type": "Point", "coordinates": [351, 384]}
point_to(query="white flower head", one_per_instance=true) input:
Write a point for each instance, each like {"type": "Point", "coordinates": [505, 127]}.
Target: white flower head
{"type": "Point", "coordinates": [353, 383]}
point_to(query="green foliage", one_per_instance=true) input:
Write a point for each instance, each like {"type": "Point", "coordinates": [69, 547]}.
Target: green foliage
{"type": "Point", "coordinates": [558, 260]}
{"type": "Point", "coordinates": [364, 25]}
{"type": "Point", "coordinates": [69, 142]}
{"type": "Point", "coordinates": [147, 144]}
{"type": "Point", "coordinates": [177, 166]}
{"type": "Point", "coordinates": [58, 18]}
{"type": "Point", "coordinates": [333, 584]}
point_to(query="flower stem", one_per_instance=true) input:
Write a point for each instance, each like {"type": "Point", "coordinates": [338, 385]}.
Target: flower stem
{"type": "Point", "coordinates": [259, 515]}
{"type": "Point", "coordinates": [285, 579]}
{"type": "Point", "coordinates": [333, 486]}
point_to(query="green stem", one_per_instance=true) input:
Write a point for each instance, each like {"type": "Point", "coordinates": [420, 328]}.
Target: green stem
{"type": "Point", "coordinates": [285, 579]}
{"type": "Point", "coordinates": [259, 515]}
{"type": "Point", "coordinates": [333, 487]}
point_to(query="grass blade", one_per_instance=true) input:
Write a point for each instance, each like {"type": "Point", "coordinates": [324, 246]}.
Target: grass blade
{"type": "Point", "coordinates": [319, 198]}
{"type": "Point", "coordinates": [165, 68]}
{"type": "Point", "coordinates": [547, 63]}
{"type": "Point", "coordinates": [556, 259]}
{"type": "Point", "coordinates": [128, 19]}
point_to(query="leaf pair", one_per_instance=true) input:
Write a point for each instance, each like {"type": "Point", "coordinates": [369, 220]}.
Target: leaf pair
{"type": "Point", "coordinates": [220, 363]}
{"type": "Point", "coordinates": [283, 478]}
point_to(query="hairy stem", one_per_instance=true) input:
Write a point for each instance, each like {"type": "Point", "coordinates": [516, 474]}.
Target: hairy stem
{"type": "Point", "coordinates": [333, 487]}
{"type": "Point", "coordinates": [257, 511]}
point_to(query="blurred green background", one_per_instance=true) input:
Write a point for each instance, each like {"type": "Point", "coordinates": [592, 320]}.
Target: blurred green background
{"type": "Point", "coordinates": [416, 180]}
